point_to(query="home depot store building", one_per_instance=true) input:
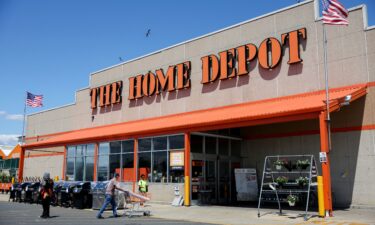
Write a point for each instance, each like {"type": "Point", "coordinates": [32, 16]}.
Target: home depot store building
{"type": "Point", "coordinates": [189, 114]}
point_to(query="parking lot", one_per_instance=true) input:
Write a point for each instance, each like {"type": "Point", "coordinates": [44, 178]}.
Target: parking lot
{"type": "Point", "coordinates": [20, 213]}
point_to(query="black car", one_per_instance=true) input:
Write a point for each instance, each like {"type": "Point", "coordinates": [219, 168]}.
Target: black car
{"type": "Point", "coordinates": [82, 197]}
{"type": "Point", "coordinates": [33, 192]}
{"type": "Point", "coordinates": [66, 194]}
{"type": "Point", "coordinates": [21, 191]}
{"type": "Point", "coordinates": [57, 187]}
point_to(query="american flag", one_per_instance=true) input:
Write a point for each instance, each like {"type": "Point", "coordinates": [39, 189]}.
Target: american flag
{"type": "Point", "coordinates": [34, 100]}
{"type": "Point", "coordinates": [334, 13]}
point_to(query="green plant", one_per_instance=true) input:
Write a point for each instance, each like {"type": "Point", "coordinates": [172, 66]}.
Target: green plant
{"type": "Point", "coordinates": [281, 180]}
{"type": "Point", "coordinates": [278, 163]}
{"type": "Point", "coordinates": [302, 181]}
{"type": "Point", "coordinates": [292, 199]}
{"type": "Point", "coordinates": [303, 164]}
{"type": "Point", "coordinates": [4, 178]}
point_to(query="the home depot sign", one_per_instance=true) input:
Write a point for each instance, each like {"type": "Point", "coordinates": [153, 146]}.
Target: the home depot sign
{"type": "Point", "coordinates": [225, 65]}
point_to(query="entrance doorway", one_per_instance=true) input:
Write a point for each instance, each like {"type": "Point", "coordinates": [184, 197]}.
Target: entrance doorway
{"type": "Point", "coordinates": [212, 168]}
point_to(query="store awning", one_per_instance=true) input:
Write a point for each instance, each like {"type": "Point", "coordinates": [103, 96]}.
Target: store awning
{"type": "Point", "coordinates": [283, 109]}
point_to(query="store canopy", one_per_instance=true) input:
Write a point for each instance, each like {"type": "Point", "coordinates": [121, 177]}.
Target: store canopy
{"type": "Point", "coordinates": [283, 109]}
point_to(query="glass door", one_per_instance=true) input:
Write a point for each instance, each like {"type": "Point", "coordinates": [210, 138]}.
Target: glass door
{"type": "Point", "coordinates": [224, 182]}
{"type": "Point", "coordinates": [211, 180]}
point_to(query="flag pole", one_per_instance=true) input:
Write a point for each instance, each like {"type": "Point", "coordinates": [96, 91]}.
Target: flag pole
{"type": "Point", "coordinates": [326, 86]}
{"type": "Point", "coordinates": [24, 121]}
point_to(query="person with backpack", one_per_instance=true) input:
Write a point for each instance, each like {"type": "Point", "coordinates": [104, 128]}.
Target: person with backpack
{"type": "Point", "coordinates": [46, 194]}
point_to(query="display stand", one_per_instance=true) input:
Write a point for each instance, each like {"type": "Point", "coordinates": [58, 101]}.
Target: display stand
{"type": "Point", "coordinates": [288, 176]}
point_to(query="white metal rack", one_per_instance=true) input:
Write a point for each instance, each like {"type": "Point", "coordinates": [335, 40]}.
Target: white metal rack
{"type": "Point", "coordinates": [269, 186]}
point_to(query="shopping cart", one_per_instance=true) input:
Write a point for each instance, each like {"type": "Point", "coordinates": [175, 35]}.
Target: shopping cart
{"type": "Point", "coordinates": [135, 203]}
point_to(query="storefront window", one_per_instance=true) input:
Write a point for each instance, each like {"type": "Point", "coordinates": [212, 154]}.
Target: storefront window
{"type": "Point", "coordinates": [114, 164]}
{"type": "Point", "coordinates": [89, 168]}
{"type": "Point", "coordinates": [114, 158]}
{"type": "Point", "coordinates": [196, 144]}
{"type": "Point", "coordinates": [80, 162]}
{"type": "Point", "coordinates": [70, 168]}
{"type": "Point", "coordinates": [236, 148]}
{"type": "Point", "coordinates": [89, 162]}
{"type": "Point", "coordinates": [159, 173]}
{"type": "Point", "coordinates": [144, 167]}
{"type": "Point", "coordinates": [128, 146]}
{"type": "Point", "coordinates": [154, 161]}
{"type": "Point", "coordinates": [127, 160]}
{"type": "Point", "coordinates": [223, 146]}
{"type": "Point", "coordinates": [144, 145]}
{"type": "Point", "coordinates": [71, 152]}
{"type": "Point", "coordinates": [79, 168]}
{"type": "Point", "coordinates": [103, 148]}
{"type": "Point", "coordinates": [90, 150]}
{"type": "Point", "coordinates": [103, 162]}
{"type": "Point", "coordinates": [210, 144]}
{"type": "Point", "coordinates": [160, 143]}
{"type": "Point", "coordinates": [176, 142]}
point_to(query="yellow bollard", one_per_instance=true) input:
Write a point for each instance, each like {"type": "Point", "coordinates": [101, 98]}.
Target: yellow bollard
{"type": "Point", "coordinates": [187, 191]}
{"type": "Point", "coordinates": [13, 180]}
{"type": "Point", "coordinates": [320, 196]}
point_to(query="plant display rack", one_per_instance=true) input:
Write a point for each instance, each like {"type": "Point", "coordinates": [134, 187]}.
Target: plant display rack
{"type": "Point", "coordinates": [281, 174]}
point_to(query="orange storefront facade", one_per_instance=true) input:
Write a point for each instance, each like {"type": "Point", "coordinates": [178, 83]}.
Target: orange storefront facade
{"type": "Point", "coordinates": [201, 108]}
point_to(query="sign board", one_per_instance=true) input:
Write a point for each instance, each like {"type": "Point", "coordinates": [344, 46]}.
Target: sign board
{"type": "Point", "coordinates": [246, 184]}
{"type": "Point", "coordinates": [224, 65]}
{"type": "Point", "coordinates": [322, 157]}
{"type": "Point", "coordinates": [176, 158]}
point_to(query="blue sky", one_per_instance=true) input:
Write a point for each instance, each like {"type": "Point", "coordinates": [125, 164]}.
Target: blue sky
{"type": "Point", "coordinates": [51, 47]}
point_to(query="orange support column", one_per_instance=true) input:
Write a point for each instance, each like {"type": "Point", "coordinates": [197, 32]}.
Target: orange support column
{"type": "Point", "coordinates": [135, 163]}
{"type": "Point", "coordinates": [64, 165]}
{"type": "Point", "coordinates": [96, 152]}
{"type": "Point", "coordinates": [324, 147]}
{"type": "Point", "coordinates": [21, 163]}
{"type": "Point", "coordinates": [187, 170]}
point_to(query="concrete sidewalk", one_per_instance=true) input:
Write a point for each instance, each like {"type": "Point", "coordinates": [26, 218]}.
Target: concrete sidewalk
{"type": "Point", "coordinates": [244, 215]}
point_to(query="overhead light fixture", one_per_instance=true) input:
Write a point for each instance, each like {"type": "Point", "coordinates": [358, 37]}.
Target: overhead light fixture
{"type": "Point", "coordinates": [346, 100]}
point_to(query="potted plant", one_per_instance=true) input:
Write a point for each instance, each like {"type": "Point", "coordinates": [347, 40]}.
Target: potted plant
{"type": "Point", "coordinates": [278, 164]}
{"type": "Point", "coordinates": [281, 180]}
{"type": "Point", "coordinates": [292, 199]}
{"type": "Point", "coordinates": [303, 164]}
{"type": "Point", "coordinates": [302, 181]}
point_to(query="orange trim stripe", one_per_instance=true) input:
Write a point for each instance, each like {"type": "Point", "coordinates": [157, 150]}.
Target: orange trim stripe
{"type": "Point", "coordinates": [45, 155]}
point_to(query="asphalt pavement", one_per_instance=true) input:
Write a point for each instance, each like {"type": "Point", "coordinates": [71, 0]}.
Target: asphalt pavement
{"type": "Point", "coordinates": [21, 213]}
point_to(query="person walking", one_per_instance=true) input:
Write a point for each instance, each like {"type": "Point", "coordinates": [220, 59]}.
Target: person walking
{"type": "Point", "coordinates": [110, 196]}
{"type": "Point", "coordinates": [46, 194]}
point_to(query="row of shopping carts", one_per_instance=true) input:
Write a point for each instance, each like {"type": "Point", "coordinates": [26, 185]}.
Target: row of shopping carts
{"type": "Point", "coordinates": [78, 195]}
{"type": "Point", "coordinates": [66, 194]}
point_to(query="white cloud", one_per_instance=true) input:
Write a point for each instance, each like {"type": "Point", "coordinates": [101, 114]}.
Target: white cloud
{"type": "Point", "coordinates": [3, 112]}
{"type": "Point", "coordinates": [9, 139]}
{"type": "Point", "coordinates": [18, 117]}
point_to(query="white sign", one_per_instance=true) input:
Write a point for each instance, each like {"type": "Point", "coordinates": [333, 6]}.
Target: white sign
{"type": "Point", "coordinates": [322, 157]}
{"type": "Point", "coordinates": [177, 158]}
{"type": "Point", "coordinates": [246, 184]}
